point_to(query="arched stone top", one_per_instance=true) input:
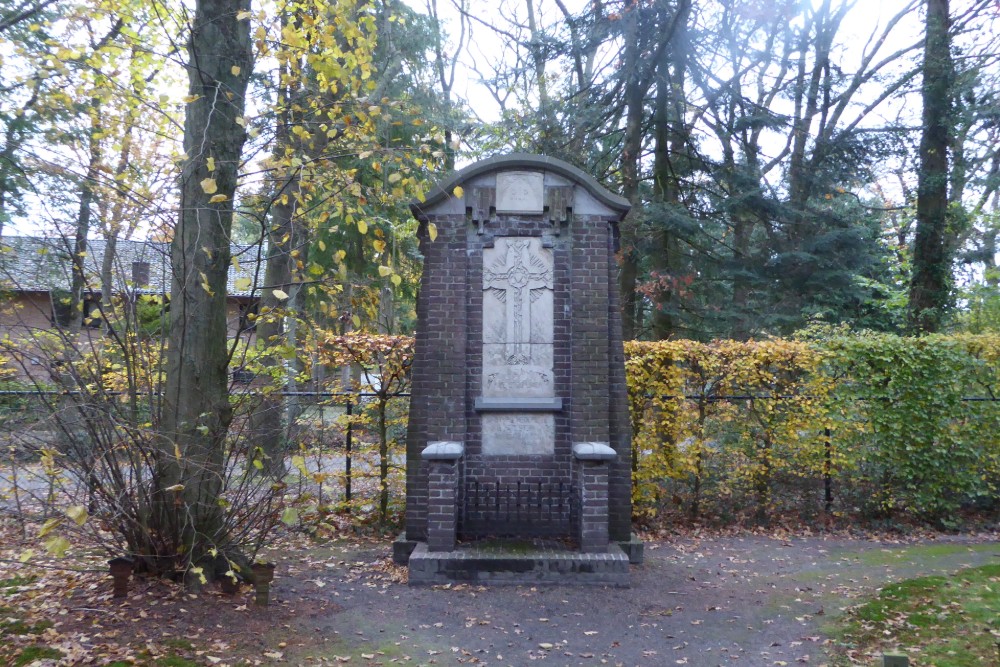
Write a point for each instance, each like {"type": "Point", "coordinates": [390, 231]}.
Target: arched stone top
{"type": "Point", "coordinates": [519, 162]}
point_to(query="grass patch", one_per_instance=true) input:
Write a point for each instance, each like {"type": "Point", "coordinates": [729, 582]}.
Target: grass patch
{"type": "Point", "coordinates": [920, 552]}
{"type": "Point", "coordinates": [10, 586]}
{"type": "Point", "coordinates": [177, 643]}
{"type": "Point", "coordinates": [32, 653]}
{"type": "Point", "coordinates": [15, 626]}
{"type": "Point", "coordinates": [175, 661]}
{"type": "Point", "coordinates": [943, 621]}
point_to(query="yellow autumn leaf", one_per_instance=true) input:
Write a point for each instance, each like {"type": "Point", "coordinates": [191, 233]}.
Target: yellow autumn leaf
{"type": "Point", "coordinates": [209, 186]}
{"type": "Point", "coordinates": [241, 121]}
{"type": "Point", "coordinates": [210, 164]}
{"type": "Point", "coordinates": [321, 245]}
{"type": "Point", "coordinates": [394, 178]}
{"type": "Point", "coordinates": [235, 69]}
{"type": "Point", "coordinates": [49, 526]}
{"type": "Point", "coordinates": [242, 284]}
{"type": "Point", "coordinates": [362, 226]}
{"type": "Point", "coordinates": [379, 245]}
{"type": "Point", "coordinates": [280, 295]}
{"type": "Point", "coordinates": [384, 271]}
{"type": "Point", "coordinates": [432, 231]}
{"type": "Point", "coordinates": [458, 192]}
{"type": "Point", "coordinates": [357, 321]}
{"type": "Point", "coordinates": [57, 546]}
{"type": "Point", "coordinates": [215, 199]}
{"type": "Point", "coordinates": [243, 16]}
{"type": "Point", "coordinates": [78, 513]}
{"type": "Point", "coordinates": [396, 280]}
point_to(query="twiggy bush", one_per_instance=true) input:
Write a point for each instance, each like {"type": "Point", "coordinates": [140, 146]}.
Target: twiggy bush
{"type": "Point", "coordinates": [102, 453]}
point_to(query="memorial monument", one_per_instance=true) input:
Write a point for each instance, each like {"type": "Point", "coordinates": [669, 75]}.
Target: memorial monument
{"type": "Point", "coordinates": [518, 445]}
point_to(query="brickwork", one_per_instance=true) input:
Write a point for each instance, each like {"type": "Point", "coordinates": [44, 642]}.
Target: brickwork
{"type": "Point", "coordinates": [442, 504]}
{"type": "Point", "coordinates": [579, 228]}
{"type": "Point", "coordinates": [437, 409]}
{"type": "Point", "coordinates": [592, 486]}
{"type": "Point", "coordinates": [620, 473]}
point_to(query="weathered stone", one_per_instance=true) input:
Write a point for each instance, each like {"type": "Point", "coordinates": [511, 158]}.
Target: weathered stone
{"type": "Point", "coordinates": [520, 192]}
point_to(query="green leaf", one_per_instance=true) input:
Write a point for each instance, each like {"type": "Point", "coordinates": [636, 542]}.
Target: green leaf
{"type": "Point", "coordinates": [290, 516]}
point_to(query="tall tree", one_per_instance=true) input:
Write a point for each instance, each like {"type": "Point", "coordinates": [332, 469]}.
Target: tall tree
{"type": "Point", "coordinates": [933, 245]}
{"type": "Point", "coordinates": [196, 408]}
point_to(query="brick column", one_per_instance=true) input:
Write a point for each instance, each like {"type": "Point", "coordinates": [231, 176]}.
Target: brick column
{"type": "Point", "coordinates": [442, 459]}
{"type": "Point", "coordinates": [592, 462]}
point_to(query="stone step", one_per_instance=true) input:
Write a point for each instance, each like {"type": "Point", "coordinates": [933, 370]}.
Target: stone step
{"type": "Point", "coordinates": [489, 564]}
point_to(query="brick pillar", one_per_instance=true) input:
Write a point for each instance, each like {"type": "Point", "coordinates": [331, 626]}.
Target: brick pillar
{"type": "Point", "coordinates": [442, 459]}
{"type": "Point", "coordinates": [592, 462]}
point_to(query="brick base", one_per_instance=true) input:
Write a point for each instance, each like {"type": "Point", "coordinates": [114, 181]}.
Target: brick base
{"type": "Point", "coordinates": [491, 566]}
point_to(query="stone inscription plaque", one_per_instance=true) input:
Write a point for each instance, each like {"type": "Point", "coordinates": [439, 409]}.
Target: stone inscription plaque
{"type": "Point", "coordinates": [520, 192]}
{"type": "Point", "coordinates": [511, 433]}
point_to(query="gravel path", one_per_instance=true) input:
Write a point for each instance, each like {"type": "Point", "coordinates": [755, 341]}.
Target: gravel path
{"type": "Point", "coordinates": [749, 601]}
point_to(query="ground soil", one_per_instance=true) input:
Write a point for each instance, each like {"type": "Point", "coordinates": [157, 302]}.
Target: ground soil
{"type": "Point", "coordinates": [733, 600]}
{"type": "Point", "coordinates": [750, 600]}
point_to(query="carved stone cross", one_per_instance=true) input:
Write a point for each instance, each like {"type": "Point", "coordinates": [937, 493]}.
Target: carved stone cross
{"type": "Point", "coordinates": [517, 279]}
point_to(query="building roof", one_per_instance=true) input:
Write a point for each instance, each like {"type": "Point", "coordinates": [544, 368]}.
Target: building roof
{"type": "Point", "coordinates": [36, 264]}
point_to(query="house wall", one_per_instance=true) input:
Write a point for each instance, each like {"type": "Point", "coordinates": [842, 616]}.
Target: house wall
{"type": "Point", "coordinates": [26, 318]}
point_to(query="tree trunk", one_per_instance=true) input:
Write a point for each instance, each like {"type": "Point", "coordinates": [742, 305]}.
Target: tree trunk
{"type": "Point", "coordinates": [266, 418]}
{"type": "Point", "coordinates": [78, 281]}
{"type": "Point", "coordinates": [930, 281]}
{"type": "Point", "coordinates": [196, 410]}
{"type": "Point", "coordinates": [670, 154]}
{"type": "Point", "coordinates": [632, 147]}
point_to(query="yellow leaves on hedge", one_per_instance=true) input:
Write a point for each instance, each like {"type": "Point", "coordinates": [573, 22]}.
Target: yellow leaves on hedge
{"type": "Point", "coordinates": [686, 396]}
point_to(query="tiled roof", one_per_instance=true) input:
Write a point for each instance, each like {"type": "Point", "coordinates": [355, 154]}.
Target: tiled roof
{"type": "Point", "coordinates": [34, 264]}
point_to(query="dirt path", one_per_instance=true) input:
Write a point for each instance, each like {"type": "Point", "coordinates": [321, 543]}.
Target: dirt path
{"type": "Point", "coordinates": [751, 601]}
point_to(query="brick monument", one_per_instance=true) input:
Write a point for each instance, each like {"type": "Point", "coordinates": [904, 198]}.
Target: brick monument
{"type": "Point", "coordinates": [518, 427]}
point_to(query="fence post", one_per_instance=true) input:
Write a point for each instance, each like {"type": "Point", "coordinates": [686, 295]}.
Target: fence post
{"type": "Point", "coordinates": [347, 452]}
{"type": "Point", "coordinates": [828, 471]}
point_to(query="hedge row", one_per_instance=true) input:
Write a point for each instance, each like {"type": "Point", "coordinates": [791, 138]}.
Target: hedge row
{"type": "Point", "coordinates": [840, 426]}
{"type": "Point", "coordinates": [870, 426]}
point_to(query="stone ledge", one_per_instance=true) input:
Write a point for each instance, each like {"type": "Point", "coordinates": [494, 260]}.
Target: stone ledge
{"type": "Point", "coordinates": [610, 568]}
{"type": "Point", "coordinates": [443, 450]}
{"type": "Point", "coordinates": [633, 548]}
{"type": "Point", "coordinates": [593, 451]}
{"type": "Point", "coordinates": [518, 404]}
{"type": "Point", "coordinates": [402, 548]}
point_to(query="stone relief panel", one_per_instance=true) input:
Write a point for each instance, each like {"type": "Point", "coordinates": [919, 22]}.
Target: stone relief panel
{"type": "Point", "coordinates": [507, 434]}
{"type": "Point", "coordinates": [517, 318]}
{"type": "Point", "coordinates": [520, 192]}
